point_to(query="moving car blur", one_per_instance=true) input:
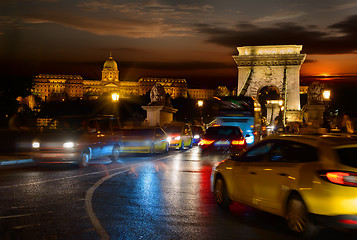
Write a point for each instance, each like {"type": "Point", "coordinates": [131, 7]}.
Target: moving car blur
{"type": "Point", "coordinates": [223, 138]}
{"type": "Point", "coordinates": [78, 139]}
{"type": "Point", "coordinates": [180, 135]}
{"type": "Point", "coordinates": [144, 140]}
{"type": "Point", "coordinates": [197, 132]}
{"type": "Point", "coordinates": [310, 180]}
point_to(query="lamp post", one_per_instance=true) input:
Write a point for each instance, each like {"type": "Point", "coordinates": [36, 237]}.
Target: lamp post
{"type": "Point", "coordinates": [115, 100]}
{"type": "Point", "coordinates": [200, 106]}
{"type": "Point", "coordinates": [326, 95]}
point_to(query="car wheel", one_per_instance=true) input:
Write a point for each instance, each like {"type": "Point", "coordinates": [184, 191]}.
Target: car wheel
{"type": "Point", "coordinates": [84, 162]}
{"type": "Point", "coordinates": [220, 192]}
{"type": "Point", "coordinates": [116, 153]}
{"type": "Point", "coordinates": [297, 218]}
{"type": "Point", "coordinates": [182, 146]}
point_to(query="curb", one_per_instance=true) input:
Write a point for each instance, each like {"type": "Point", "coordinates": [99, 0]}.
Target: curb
{"type": "Point", "coordinates": [7, 159]}
{"type": "Point", "coordinates": [14, 162]}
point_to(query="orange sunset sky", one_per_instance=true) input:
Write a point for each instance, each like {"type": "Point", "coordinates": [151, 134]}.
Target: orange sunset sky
{"type": "Point", "coordinates": [194, 40]}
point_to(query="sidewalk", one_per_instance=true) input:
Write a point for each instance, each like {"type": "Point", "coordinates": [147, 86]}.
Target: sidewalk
{"type": "Point", "coordinates": [15, 159]}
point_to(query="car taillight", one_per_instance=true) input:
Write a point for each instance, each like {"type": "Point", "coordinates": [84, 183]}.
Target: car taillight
{"type": "Point", "coordinates": [205, 142]}
{"type": "Point", "coordinates": [348, 221]}
{"type": "Point", "coordinates": [341, 178]}
{"type": "Point", "coordinates": [238, 142]}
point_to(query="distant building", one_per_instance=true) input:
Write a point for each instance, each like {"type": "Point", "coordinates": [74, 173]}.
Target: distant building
{"type": "Point", "coordinates": [57, 87]}
{"type": "Point", "coordinates": [54, 87]}
{"type": "Point", "coordinates": [173, 86]}
{"type": "Point", "coordinates": [202, 94]}
{"type": "Point", "coordinates": [222, 91]}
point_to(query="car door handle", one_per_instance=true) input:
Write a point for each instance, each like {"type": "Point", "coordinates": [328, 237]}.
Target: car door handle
{"type": "Point", "coordinates": [283, 174]}
{"type": "Point", "coordinates": [253, 173]}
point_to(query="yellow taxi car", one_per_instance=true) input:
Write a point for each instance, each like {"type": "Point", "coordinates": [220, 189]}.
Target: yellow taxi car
{"type": "Point", "coordinates": [311, 180]}
{"type": "Point", "coordinates": [180, 135]}
{"type": "Point", "coordinates": [144, 140]}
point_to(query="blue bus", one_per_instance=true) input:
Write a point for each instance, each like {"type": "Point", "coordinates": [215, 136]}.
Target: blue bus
{"type": "Point", "coordinates": [236, 111]}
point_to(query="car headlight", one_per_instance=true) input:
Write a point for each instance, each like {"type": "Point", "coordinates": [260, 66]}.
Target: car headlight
{"type": "Point", "coordinates": [177, 138]}
{"type": "Point", "coordinates": [68, 145]}
{"type": "Point", "coordinates": [169, 139]}
{"type": "Point", "coordinates": [196, 136]}
{"type": "Point", "coordinates": [250, 139]}
{"type": "Point", "coordinates": [35, 145]}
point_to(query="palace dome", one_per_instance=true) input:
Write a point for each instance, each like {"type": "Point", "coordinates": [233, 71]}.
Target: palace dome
{"type": "Point", "coordinates": [110, 63]}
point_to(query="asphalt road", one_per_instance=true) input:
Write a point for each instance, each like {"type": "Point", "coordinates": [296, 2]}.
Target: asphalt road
{"type": "Point", "coordinates": [166, 196]}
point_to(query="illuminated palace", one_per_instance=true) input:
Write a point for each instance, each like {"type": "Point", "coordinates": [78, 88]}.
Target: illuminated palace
{"type": "Point", "coordinates": [62, 87]}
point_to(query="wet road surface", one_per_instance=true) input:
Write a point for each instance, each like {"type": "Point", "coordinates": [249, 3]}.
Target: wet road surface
{"type": "Point", "coordinates": [166, 196]}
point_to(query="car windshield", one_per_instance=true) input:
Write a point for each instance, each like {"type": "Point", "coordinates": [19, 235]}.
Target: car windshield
{"type": "Point", "coordinates": [138, 132]}
{"type": "Point", "coordinates": [66, 124]}
{"type": "Point", "coordinates": [348, 156]}
{"type": "Point", "coordinates": [222, 131]}
{"type": "Point", "coordinates": [173, 129]}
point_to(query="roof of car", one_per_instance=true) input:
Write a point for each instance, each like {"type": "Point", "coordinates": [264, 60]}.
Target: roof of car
{"type": "Point", "coordinates": [224, 127]}
{"type": "Point", "coordinates": [315, 139]}
{"type": "Point", "coordinates": [139, 127]}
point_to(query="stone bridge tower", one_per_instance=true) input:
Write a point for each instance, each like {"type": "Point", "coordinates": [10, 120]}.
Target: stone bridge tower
{"type": "Point", "coordinates": [272, 66]}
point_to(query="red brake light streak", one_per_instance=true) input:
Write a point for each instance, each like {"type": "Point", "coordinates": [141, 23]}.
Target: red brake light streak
{"type": "Point", "coordinates": [341, 178]}
{"type": "Point", "coordinates": [238, 142]}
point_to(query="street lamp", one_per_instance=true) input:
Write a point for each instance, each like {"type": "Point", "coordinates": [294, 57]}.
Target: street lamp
{"type": "Point", "coordinates": [115, 100]}
{"type": "Point", "coordinates": [200, 105]}
{"type": "Point", "coordinates": [115, 97]}
{"type": "Point", "coordinates": [326, 94]}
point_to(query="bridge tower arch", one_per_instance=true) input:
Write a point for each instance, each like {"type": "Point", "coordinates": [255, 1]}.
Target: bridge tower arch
{"type": "Point", "coordinates": [272, 65]}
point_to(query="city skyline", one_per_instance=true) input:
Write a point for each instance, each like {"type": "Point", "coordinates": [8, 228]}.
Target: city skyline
{"type": "Point", "coordinates": [185, 39]}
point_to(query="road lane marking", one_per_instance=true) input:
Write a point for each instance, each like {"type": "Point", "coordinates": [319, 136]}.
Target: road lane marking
{"type": "Point", "coordinates": [89, 195]}
{"type": "Point", "coordinates": [26, 226]}
{"type": "Point", "coordinates": [16, 216]}
{"type": "Point", "coordinates": [88, 203]}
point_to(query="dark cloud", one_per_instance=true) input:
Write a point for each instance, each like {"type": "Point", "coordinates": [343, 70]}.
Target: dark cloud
{"type": "Point", "coordinates": [187, 65]}
{"type": "Point", "coordinates": [341, 39]}
{"type": "Point", "coordinates": [348, 26]}
{"type": "Point", "coordinates": [92, 70]}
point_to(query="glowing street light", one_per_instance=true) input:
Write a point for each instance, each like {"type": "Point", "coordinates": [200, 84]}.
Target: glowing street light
{"type": "Point", "coordinates": [326, 94]}
{"type": "Point", "coordinates": [200, 103]}
{"type": "Point", "coordinates": [115, 97]}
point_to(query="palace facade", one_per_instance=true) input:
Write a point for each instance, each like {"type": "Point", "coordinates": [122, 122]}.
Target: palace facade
{"type": "Point", "coordinates": [63, 87]}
